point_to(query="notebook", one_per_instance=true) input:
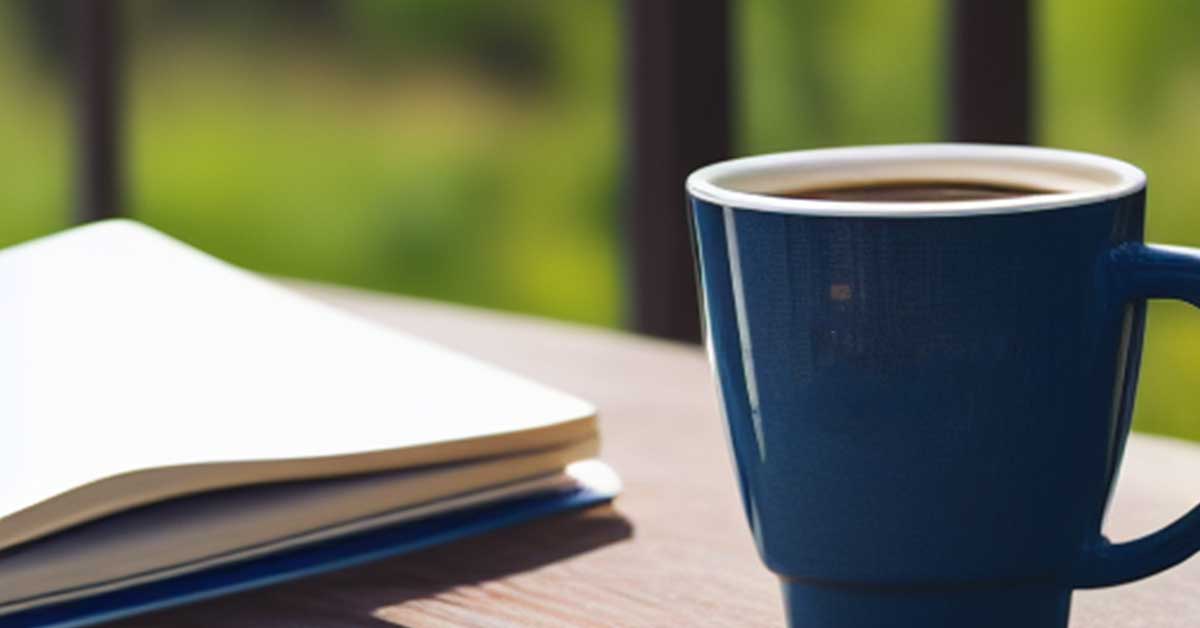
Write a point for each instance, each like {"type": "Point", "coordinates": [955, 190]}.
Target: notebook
{"type": "Point", "coordinates": [172, 427]}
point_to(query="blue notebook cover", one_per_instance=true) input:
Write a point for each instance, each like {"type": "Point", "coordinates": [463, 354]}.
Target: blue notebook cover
{"type": "Point", "coordinates": [303, 561]}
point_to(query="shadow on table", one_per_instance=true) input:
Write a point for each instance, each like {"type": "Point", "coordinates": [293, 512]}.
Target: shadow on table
{"type": "Point", "coordinates": [353, 597]}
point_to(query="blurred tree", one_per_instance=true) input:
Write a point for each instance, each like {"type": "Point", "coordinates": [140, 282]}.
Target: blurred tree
{"type": "Point", "coordinates": [47, 31]}
{"type": "Point", "coordinates": [509, 40]}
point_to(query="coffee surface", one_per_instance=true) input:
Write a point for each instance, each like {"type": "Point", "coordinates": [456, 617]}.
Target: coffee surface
{"type": "Point", "coordinates": [913, 192]}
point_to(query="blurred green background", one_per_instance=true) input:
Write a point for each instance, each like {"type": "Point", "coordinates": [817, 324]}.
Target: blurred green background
{"type": "Point", "coordinates": [471, 151]}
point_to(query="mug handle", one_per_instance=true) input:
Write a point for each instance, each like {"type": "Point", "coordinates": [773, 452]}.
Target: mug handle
{"type": "Point", "coordinates": [1147, 271]}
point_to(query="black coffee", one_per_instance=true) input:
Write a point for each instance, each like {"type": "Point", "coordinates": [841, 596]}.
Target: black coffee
{"type": "Point", "coordinates": [913, 191]}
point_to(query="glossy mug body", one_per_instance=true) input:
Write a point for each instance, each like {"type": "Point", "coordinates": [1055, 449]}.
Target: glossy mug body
{"type": "Point", "coordinates": [927, 403]}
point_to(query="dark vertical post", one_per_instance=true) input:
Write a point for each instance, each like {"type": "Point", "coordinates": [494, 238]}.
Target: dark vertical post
{"type": "Point", "coordinates": [97, 99]}
{"type": "Point", "coordinates": [678, 95]}
{"type": "Point", "coordinates": [991, 92]}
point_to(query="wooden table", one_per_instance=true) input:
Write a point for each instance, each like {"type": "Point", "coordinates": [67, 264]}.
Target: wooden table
{"type": "Point", "coordinates": [673, 550]}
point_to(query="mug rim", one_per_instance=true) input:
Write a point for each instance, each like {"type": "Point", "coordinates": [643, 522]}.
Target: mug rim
{"type": "Point", "coordinates": [1084, 178]}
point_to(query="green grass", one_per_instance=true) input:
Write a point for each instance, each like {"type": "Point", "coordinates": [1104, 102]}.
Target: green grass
{"type": "Point", "coordinates": [433, 181]}
{"type": "Point", "coordinates": [35, 166]}
{"type": "Point", "coordinates": [430, 178]}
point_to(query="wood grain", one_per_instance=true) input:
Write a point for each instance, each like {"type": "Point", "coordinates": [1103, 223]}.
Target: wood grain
{"type": "Point", "coordinates": [674, 549]}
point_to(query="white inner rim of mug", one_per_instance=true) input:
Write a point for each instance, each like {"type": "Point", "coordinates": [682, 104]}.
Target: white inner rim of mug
{"type": "Point", "coordinates": [1075, 178]}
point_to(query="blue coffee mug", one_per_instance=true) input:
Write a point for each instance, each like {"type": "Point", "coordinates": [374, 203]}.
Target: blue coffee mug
{"type": "Point", "coordinates": [927, 402]}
